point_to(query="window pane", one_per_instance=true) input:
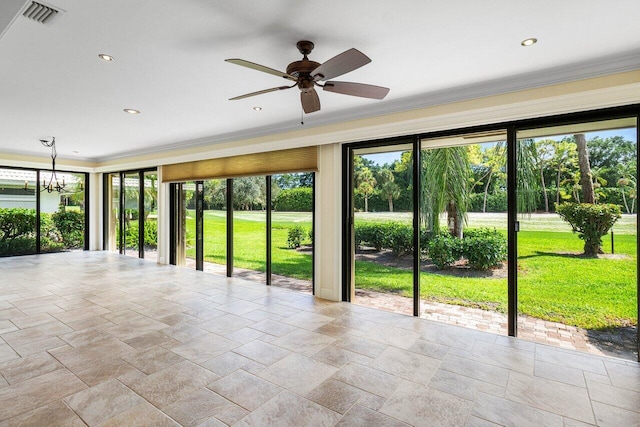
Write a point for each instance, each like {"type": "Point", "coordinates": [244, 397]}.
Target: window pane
{"type": "Point", "coordinates": [17, 212]}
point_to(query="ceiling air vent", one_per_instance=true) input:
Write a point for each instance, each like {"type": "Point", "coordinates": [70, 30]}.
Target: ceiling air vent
{"type": "Point", "coordinates": [39, 12]}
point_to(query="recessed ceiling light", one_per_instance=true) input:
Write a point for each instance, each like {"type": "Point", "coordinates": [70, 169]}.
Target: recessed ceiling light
{"type": "Point", "coordinates": [529, 42]}
{"type": "Point", "coordinates": [105, 57]}
{"type": "Point", "coordinates": [75, 151]}
{"type": "Point", "coordinates": [131, 111]}
{"type": "Point", "coordinates": [257, 108]}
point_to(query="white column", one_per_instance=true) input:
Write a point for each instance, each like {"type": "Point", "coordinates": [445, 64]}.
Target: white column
{"type": "Point", "coordinates": [328, 232]}
{"type": "Point", "coordinates": [96, 211]}
{"type": "Point", "coordinates": [163, 220]}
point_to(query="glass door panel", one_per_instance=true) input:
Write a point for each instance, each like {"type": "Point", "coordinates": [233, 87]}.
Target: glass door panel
{"type": "Point", "coordinates": [249, 227]}
{"type": "Point", "coordinates": [151, 215]}
{"type": "Point", "coordinates": [577, 289]}
{"type": "Point", "coordinates": [383, 228]}
{"type": "Point", "coordinates": [463, 278]}
{"type": "Point", "coordinates": [215, 226]}
{"type": "Point", "coordinates": [131, 214]}
{"type": "Point", "coordinates": [17, 212]}
{"type": "Point", "coordinates": [291, 231]}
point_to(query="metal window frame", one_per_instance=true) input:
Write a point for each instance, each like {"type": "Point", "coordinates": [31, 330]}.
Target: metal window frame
{"type": "Point", "coordinates": [511, 127]}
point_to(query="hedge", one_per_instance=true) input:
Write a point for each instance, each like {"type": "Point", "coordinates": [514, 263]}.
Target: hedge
{"type": "Point", "coordinates": [294, 200]}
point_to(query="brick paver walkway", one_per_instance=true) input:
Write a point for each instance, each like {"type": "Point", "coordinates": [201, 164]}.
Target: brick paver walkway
{"type": "Point", "coordinates": [618, 343]}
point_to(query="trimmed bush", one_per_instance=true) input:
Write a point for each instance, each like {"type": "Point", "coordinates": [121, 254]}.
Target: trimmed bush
{"type": "Point", "coordinates": [70, 224]}
{"type": "Point", "coordinates": [370, 234]}
{"type": "Point", "coordinates": [398, 238]}
{"type": "Point", "coordinates": [294, 200]}
{"type": "Point", "coordinates": [150, 235]}
{"type": "Point", "coordinates": [591, 222]}
{"type": "Point", "coordinates": [295, 236]}
{"type": "Point", "coordinates": [484, 248]}
{"type": "Point", "coordinates": [444, 250]}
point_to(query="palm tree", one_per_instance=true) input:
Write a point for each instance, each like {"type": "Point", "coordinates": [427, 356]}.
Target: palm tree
{"type": "Point", "coordinates": [446, 187]}
{"type": "Point", "coordinates": [365, 185]}
{"type": "Point", "coordinates": [389, 189]}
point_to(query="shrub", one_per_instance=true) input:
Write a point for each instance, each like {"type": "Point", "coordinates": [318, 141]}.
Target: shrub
{"type": "Point", "coordinates": [17, 222]}
{"type": "Point", "coordinates": [70, 224]}
{"type": "Point", "coordinates": [370, 234]}
{"type": "Point", "coordinates": [398, 238]}
{"type": "Point", "coordinates": [444, 250]}
{"type": "Point", "coordinates": [294, 200]}
{"type": "Point", "coordinates": [484, 248]}
{"type": "Point", "coordinates": [22, 245]}
{"type": "Point", "coordinates": [295, 236]}
{"type": "Point", "coordinates": [591, 222]}
{"type": "Point", "coordinates": [150, 235]}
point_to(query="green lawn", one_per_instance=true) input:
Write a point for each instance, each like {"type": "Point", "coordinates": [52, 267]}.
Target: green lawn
{"type": "Point", "coordinates": [553, 283]}
{"type": "Point", "coordinates": [249, 246]}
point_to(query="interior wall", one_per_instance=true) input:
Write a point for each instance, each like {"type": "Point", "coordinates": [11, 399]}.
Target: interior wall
{"type": "Point", "coordinates": [328, 226]}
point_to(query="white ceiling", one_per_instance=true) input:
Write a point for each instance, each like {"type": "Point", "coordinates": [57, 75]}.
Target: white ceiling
{"type": "Point", "coordinates": [169, 63]}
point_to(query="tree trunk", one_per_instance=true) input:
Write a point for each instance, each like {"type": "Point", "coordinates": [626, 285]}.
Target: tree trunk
{"type": "Point", "coordinates": [366, 203]}
{"type": "Point", "coordinates": [558, 186]}
{"type": "Point", "coordinates": [624, 199]}
{"type": "Point", "coordinates": [544, 191]}
{"type": "Point", "coordinates": [390, 203]}
{"type": "Point", "coordinates": [486, 190]}
{"type": "Point", "coordinates": [588, 195]}
{"type": "Point", "coordinates": [454, 221]}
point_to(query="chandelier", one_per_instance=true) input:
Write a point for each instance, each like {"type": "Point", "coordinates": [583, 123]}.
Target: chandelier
{"type": "Point", "coordinates": [53, 184]}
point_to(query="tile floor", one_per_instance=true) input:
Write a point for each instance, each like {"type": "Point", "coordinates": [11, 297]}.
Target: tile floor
{"type": "Point", "coordinates": [98, 339]}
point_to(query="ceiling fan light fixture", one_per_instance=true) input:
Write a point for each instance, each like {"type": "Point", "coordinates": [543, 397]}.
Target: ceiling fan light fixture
{"type": "Point", "coordinates": [106, 58]}
{"type": "Point", "coordinates": [131, 111]}
{"type": "Point", "coordinates": [529, 42]}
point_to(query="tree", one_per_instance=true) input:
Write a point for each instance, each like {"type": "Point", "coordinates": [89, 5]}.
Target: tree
{"type": "Point", "coordinates": [446, 187]}
{"type": "Point", "coordinates": [588, 195]}
{"type": "Point", "coordinates": [365, 185]}
{"type": "Point", "coordinates": [564, 159]}
{"type": "Point", "coordinates": [215, 193]}
{"type": "Point", "coordinates": [591, 222]}
{"type": "Point", "coordinates": [544, 151]}
{"type": "Point", "coordinates": [389, 189]}
{"type": "Point", "coordinates": [248, 192]}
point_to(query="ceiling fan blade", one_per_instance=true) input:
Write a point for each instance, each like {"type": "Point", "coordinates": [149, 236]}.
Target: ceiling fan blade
{"type": "Point", "coordinates": [262, 68]}
{"type": "Point", "coordinates": [310, 101]}
{"type": "Point", "coordinates": [357, 89]}
{"type": "Point", "coordinates": [347, 61]}
{"type": "Point", "coordinates": [260, 92]}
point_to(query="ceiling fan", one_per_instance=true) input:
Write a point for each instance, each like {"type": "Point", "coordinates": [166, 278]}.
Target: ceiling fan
{"type": "Point", "coordinates": [308, 74]}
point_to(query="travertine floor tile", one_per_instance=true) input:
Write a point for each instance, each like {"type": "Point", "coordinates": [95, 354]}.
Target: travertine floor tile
{"type": "Point", "coordinates": [36, 392]}
{"type": "Point", "coordinates": [167, 346]}
{"type": "Point", "coordinates": [198, 407]}
{"type": "Point", "coordinates": [245, 389]}
{"type": "Point", "coordinates": [102, 402]}
{"type": "Point", "coordinates": [55, 414]}
{"type": "Point", "coordinates": [298, 373]}
{"type": "Point", "coordinates": [287, 409]}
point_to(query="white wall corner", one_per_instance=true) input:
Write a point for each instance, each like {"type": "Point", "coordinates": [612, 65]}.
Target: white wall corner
{"type": "Point", "coordinates": [95, 211]}
{"type": "Point", "coordinates": [328, 260]}
{"type": "Point", "coordinates": [163, 220]}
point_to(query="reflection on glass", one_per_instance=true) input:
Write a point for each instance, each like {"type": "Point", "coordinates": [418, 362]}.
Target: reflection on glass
{"type": "Point", "coordinates": [583, 288]}
{"type": "Point", "coordinates": [291, 231]}
{"type": "Point", "coordinates": [17, 212]}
